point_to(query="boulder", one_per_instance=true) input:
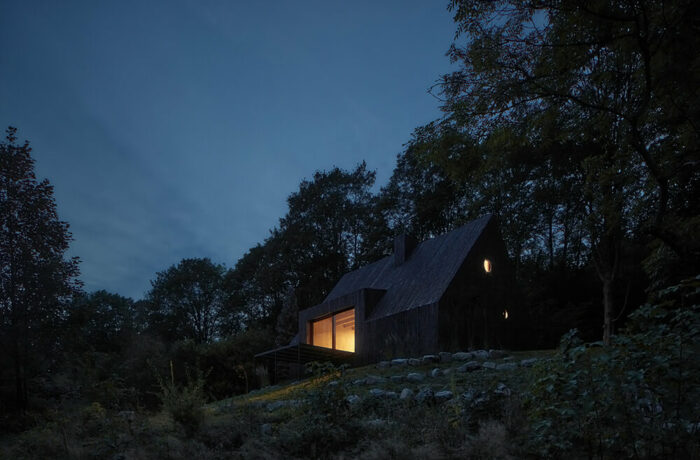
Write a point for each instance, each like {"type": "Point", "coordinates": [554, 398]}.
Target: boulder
{"type": "Point", "coordinates": [502, 389]}
{"type": "Point", "coordinates": [333, 383]}
{"type": "Point", "coordinates": [480, 354]}
{"type": "Point", "coordinates": [469, 367]}
{"type": "Point", "coordinates": [506, 366]}
{"type": "Point", "coordinates": [273, 406]}
{"type": "Point", "coordinates": [399, 362]}
{"type": "Point", "coordinates": [377, 392]}
{"type": "Point", "coordinates": [374, 380]}
{"type": "Point", "coordinates": [396, 378]}
{"type": "Point", "coordinates": [437, 372]}
{"type": "Point", "coordinates": [425, 395]}
{"type": "Point", "coordinates": [462, 356]}
{"type": "Point", "coordinates": [383, 364]}
{"type": "Point", "coordinates": [497, 354]}
{"type": "Point", "coordinates": [415, 377]}
{"type": "Point", "coordinates": [391, 395]}
{"type": "Point", "coordinates": [449, 371]}
{"type": "Point", "coordinates": [445, 357]}
{"type": "Point", "coordinates": [489, 365]}
{"type": "Point", "coordinates": [414, 362]}
{"type": "Point", "coordinates": [406, 393]}
{"type": "Point", "coordinates": [427, 359]}
{"type": "Point", "coordinates": [358, 382]}
{"type": "Point", "coordinates": [353, 399]}
{"type": "Point", "coordinates": [442, 396]}
{"type": "Point", "coordinates": [528, 362]}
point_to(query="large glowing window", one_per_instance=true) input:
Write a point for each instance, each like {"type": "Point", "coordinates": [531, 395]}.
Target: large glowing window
{"type": "Point", "coordinates": [323, 332]}
{"type": "Point", "coordinates": [337, 331]}
{"type": "Point", "coordinates": [345, 330]}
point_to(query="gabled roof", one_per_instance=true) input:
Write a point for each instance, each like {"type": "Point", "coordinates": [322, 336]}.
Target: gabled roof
{"type": "Point", "coordinates": [422, 279]}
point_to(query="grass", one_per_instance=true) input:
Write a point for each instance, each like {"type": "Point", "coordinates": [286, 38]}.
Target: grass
{"type": "Point", "coordinates": [321, 424]}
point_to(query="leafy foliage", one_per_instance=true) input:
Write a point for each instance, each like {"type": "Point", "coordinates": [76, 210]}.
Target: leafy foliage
{"type": "Point", "coordinates": [184, 404]}
{"type": "Point", "coordinates": [638, 398]}
{"type": "Point", "coordinates": [36, 281]}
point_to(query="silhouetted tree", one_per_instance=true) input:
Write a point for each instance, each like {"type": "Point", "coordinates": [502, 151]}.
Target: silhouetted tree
{"type": "Point", "coordinates": [186, 301]}
{"type": "Point", "coordinates": [36, 281]}
{"type": "Point", "coordinates": [620, 85]}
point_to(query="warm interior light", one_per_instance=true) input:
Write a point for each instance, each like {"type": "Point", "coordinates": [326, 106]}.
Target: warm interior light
{"type": "Point", "coordinates": [345, 331]}
{"type": "Point", "coordinates": [323, 332]}
{"type": "Point", "coordinates": [342, 325]}
{"type": "Point", "coordinates": [487, 265]}
{"type": "Point", "coordinates": [505, 314]}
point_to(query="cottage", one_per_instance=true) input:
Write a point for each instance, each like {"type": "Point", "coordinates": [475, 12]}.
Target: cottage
{"type": "Point", "coordinates": [444, 294]}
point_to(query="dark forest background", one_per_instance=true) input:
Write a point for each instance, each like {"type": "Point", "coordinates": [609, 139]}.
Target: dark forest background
{"type": "Point", "coordinates": [576, 125]}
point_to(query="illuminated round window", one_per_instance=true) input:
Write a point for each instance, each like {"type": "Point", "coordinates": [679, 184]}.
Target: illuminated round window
{"type": "Point", "coordinates": [487, 266]}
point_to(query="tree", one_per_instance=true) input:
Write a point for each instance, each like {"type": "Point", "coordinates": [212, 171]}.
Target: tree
{"type": "Point", "coordinates": [288, 320]}
{"type": "Point", "coordinates": [100, 321]}
{"type": "Point", "coordinates": [36, 281]}
{"type": "Point", "coordinates": [186, 301]}
{"type": "Point", "coordinates": [619, 81]}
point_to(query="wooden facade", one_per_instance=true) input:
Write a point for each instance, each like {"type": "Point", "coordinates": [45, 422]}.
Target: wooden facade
{"type": "Point", "coordinates": [427, 297]}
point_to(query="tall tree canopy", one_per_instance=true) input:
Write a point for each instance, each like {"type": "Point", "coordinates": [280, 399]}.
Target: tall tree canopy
{"type": "Point", "coordinates": [604, 97]}
{"type": "Point", "coordinates": [36, 280]}
{"type": "Point", "coordinates": [186, 301]}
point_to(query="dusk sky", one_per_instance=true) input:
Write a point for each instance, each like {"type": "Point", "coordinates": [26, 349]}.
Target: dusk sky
{"type": "Point", "coordinates": [177, 129]}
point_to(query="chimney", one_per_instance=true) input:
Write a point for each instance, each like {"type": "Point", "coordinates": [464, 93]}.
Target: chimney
{"type": "Point", "coordinates": [403, 247]}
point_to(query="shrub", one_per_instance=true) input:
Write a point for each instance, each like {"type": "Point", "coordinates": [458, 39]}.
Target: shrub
{"type": "Point", "coordinates": [184, 404]}
{"type": "Point", "coordinates": [638, 398]}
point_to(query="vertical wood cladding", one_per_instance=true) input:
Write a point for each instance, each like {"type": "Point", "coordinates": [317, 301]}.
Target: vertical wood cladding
{"type": "Point", "coordinates": [428, 297]}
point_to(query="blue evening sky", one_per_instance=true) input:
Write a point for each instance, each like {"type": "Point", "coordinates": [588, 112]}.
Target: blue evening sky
{"type": "Point", "coordinates": [175, 129]}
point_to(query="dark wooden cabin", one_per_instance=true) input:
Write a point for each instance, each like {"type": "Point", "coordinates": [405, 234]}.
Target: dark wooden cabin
{"type": "Point", "coordinates": [447, 293]}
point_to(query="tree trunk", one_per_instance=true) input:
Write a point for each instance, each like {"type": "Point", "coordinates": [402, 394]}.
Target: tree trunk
{"type": "Point", "coordinates": [608, 309]}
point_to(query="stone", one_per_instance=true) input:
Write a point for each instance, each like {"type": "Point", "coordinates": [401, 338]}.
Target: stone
{"type": "Point", "coordinates": [437, 372]}
{"type": "Point", "coordinates": [399, 362]}
{"type": "Point", "coordinates": [442, 396]}
{"type": "Point", "coordinates": [375, 423]}
{"type": "Point", "coordinates": [474, 398]}
{"type": "Point", "coordinates": [430, 359]}
{"type": "Point", "coordinates": [374, 380]}
{"type": "Point", "coordinates": [502, 389]}
{"type": "Point", "coordinates": [396, 378]}
{"type": "Point", "coordinates": [469, 367]}
{"type": "Point", "coordinates": [506, 366]}
{"type": "Point", "coordinates": [497, 354]}
{"type": "Point", "coordinates": [449, 371]}
{"type": "Point", "coordinates": [415, 377]}
{"type": "Point", "coordinates": [414, 362]}
{"type": "Point", "coordinates": [383, 364]}
{"type": "Point", "coordinates": [391, 395]}
{"type": "Point", "coordinates": [358, 382]}
{"type": "Point", "coordinates": [273, 406]}
{"type": "Point", "coordinates": [445, 357]}
{"type": "Point", "coordinates": [462, 356]}
{"type": "Point", "coordinates": [353, 399]}
{"type": "Point", "coordinates": [266, 429]}
{"type": "Point", "coordinates": [406, 393]}
{"type": "Point", "coordinates": [480, 354]}
{"type": "Point", "coordinates": [488, 365]}
{"type": "Point", "coordinates": [376, 392]}
{"type": "Point", "coordinates": [528, 362]}
{"type": "Point", "coordinates": [425, 395]}
{"type": "Point", "coordinates": [333, 383]}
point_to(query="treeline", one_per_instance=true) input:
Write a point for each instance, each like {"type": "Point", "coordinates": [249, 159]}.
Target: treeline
{"type": "Point", "coordinates": [575, 125]}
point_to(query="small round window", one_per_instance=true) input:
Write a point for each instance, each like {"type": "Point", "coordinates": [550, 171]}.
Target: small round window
{"type": "Point", "coordinates": [487, 266]}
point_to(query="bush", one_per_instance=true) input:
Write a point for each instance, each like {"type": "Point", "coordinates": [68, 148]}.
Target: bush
{"type": "Point", "coordinates": [638, 398]}
{"type": "Point", "coordinates": [184, 404]}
